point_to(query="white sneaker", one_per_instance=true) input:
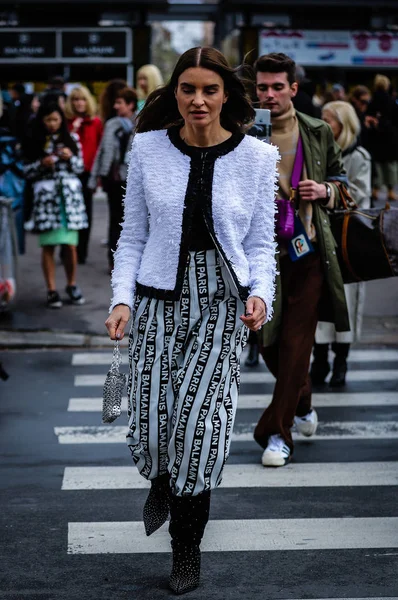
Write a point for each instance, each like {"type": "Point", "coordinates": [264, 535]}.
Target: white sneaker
{"type": "Point", "coordinates": [29, 225]}
{"type": "Point", "coordinates": [277, 453]}
{"type": "Point", "coordinates": [308, 424]}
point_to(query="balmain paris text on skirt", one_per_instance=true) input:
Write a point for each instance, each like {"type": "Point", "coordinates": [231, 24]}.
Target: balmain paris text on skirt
{"type": "Point", "coordinates": [184, 377]}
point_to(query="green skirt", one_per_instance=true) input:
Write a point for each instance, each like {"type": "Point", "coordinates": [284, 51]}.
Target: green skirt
{"type": "Point", "coordinates": [56, 237]}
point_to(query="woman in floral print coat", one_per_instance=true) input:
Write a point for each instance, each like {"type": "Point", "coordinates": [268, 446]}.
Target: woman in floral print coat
{"type": "Point", "coordinates": [54, 161]}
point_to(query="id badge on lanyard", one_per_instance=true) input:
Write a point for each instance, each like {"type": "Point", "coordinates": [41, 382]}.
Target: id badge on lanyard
{"type": "Point", "coordinates": [300, 244]}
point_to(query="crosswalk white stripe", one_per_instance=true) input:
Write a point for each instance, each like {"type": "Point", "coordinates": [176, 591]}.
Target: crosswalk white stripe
{"type": "Point", "coordinates": [260, 401]}
{"type": "Point", "coordinates": [337, 430]}
{"type": "Point", "coordinates": [240, 535]}
{"type": "Point", "coordinates": [90, 404]}
{"type": "Point", "coordinates": [262, 377]}
{"type": "Point", "coordinates": [327, 400]}
{"type": "Point", "coordinates": [246, 476]}
{"type": "Point", "coordinates": [372, 355]}
{"type": "Point", "coordinates": [89, 358]}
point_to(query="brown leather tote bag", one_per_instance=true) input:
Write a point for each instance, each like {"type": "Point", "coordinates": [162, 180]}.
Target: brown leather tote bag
{"type": "Point", "coordinates": [367, 240]}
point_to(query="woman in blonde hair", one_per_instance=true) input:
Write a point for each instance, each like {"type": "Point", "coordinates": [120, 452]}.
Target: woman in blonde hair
{"type": "Point", "coordinates": [80, 110]}
{"type": "Point", "coordinates": [346, 129]}
{"type": "Point", "coordinates": [149, 78]}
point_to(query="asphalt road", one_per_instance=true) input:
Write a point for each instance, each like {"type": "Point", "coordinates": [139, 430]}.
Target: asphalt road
{"type": "Point", "coordinates": [326, 526]}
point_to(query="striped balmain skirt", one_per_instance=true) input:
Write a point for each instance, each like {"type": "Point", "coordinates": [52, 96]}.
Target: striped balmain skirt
{"type": "Point", "coordinates": [184, 377]}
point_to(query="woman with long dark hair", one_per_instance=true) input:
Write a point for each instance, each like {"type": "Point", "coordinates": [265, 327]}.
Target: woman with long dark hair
{"type": "Point", "coordinates": [53, 163]}
{"type": "Point", "coordinates": [195, 266]}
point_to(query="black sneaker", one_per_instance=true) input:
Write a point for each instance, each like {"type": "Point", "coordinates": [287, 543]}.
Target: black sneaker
{"type": "Point", "coordinates": [75, 295]}
{"type": "Point", "coordinates": [54, 300]}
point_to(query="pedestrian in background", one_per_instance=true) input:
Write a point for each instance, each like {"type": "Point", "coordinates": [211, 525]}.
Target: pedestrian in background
{"type": "Point", "coordinates": [338, 92]}
{"type": "Point", "coordinates": [19, 110]}
{"type": "Point", "coordinates": [111, 162]}
{"type": "Point", "coordinates": [149, 78]}
{"type": "Point", "coordinates": [302, 101]}
{"type": "Point", "coordinates": [383, 137]}
{"type": "Point", "coordinates": [53, 163]}
{"type": "Point", "coordinates": [194, 264]}
{"type": "Point", "coordinates": [34, 105]}
{"type": "Point", "coordinates": [107, 98]}
{"type": "Point", "coordinates": [56, 84]}
{"type": "Point", "coordinates": [81, 111]}
{"type": "Point", "coordinates": [360, 98]}
{"type": "Point", "coordinates": [310, 283]}
{"type": "Point", "coordinates": [357, 163]}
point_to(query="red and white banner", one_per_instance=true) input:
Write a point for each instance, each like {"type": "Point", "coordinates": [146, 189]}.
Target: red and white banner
{"type": "Point", "coordinates": [336, 48]}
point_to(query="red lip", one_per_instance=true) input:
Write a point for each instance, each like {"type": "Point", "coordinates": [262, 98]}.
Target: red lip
{"type": "Point", "coordinates": [198, 112]}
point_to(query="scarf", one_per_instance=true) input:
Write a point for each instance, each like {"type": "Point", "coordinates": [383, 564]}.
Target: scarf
{"type": "Point", "coordinates": [285, 133]}
{"type": "Point", "coordinates": [127, 124]}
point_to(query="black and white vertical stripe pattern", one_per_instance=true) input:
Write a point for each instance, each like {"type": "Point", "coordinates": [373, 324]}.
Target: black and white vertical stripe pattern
{"type": "Point", "coordinates": [184, 377]}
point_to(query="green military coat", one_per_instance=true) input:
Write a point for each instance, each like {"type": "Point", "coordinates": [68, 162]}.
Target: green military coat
{"type": "Point", "coordinates": [322, 158]}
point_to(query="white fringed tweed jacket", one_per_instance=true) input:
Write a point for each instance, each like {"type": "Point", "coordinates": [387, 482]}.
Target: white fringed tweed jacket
{"type": "Point", "coordinates": [238, 182]}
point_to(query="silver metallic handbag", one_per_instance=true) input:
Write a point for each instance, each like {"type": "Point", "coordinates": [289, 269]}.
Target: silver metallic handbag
{"type": "Point", "coordinates": [113, 389]}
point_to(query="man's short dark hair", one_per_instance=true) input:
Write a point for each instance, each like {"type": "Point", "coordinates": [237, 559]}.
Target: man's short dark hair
{"type": "Point", "coordinates": [57, 82]}
{"type": "Point", "coordinates": [276, 62]}
{"type": "Point", "coordinates": [129, 95]}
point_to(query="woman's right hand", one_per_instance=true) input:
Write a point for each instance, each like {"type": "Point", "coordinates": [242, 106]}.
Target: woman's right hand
{"type": "Point", "coordinates": [48, 162]}
{"type": "Point", "coordinates": [117, 321]}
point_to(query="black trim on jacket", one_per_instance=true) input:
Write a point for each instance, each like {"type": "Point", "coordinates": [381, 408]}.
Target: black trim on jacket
{"type": "Point", "coordinates": [350, 149]}
{"type": "Point", "coordinates": [200, 181]}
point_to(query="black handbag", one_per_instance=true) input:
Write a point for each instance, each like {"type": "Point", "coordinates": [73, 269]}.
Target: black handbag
{"type": "Point", "coordinates": [367, 240]}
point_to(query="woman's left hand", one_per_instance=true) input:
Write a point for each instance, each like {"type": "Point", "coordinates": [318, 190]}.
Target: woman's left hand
{"type": "Point", "coordinates": [255, 313]}
{"type": "Point", "coordinates": [76, 124]}
{"type": "Point", "coordinates": [65, 153]}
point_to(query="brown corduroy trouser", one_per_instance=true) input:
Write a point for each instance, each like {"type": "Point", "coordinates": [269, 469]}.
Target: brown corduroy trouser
{"type": "Point", "coordinates": [289, 359]}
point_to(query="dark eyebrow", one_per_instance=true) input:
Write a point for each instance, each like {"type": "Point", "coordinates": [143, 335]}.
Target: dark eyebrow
{"type": "Point", "coordinates": [191, 85]}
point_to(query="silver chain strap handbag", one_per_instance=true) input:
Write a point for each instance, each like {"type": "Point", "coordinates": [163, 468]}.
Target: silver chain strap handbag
{"type": "Point", "coordinates": [113, 389]}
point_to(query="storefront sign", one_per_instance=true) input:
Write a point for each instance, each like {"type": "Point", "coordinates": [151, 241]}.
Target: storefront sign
{"type": "Point", "coordinates": [334, 48]}
{"type": "Point", "coordinates": [27, 45]}
{"type": "Point", "coordinates": [94, 44]}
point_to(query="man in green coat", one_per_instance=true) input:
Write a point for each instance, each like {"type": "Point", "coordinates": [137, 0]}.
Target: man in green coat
{"type": "Point", "coordinates": [310, 286]}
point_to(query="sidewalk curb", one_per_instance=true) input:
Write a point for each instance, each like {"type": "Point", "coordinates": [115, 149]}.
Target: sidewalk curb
{"type": "Point", "coordinates": [53, 339]}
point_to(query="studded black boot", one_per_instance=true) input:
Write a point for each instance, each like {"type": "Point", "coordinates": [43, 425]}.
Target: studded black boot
{"type": "Point", "coordinates": [157, 505]}
{"type": "Point", "coordinates": [339, 364]}
{"type": "Point", "coordinates": [320, 365]}
{"type": "Point", "coordinates": [189, 516]}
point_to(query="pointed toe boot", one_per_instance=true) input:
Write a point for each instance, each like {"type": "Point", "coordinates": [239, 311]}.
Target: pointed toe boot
{"type": "Point", "coordinates": [189, 516]}
{"type": "Point", "coordinates": [157, 505]}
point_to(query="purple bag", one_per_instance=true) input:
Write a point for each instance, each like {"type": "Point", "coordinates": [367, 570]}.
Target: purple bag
{"type": "Point", "coordinates": [285, 217]}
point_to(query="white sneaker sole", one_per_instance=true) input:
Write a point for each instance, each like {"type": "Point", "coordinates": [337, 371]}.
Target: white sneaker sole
{"type": "Point", "coordinates": [78, 302]}
{"type": "Point", "coordinates": [307, 428]}
{"type": "Point", "coordinates": [273, 459]}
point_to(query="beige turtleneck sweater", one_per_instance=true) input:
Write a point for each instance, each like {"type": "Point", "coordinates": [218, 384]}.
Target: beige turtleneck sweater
{"type": "Point", "coordinates": [285, 132]}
